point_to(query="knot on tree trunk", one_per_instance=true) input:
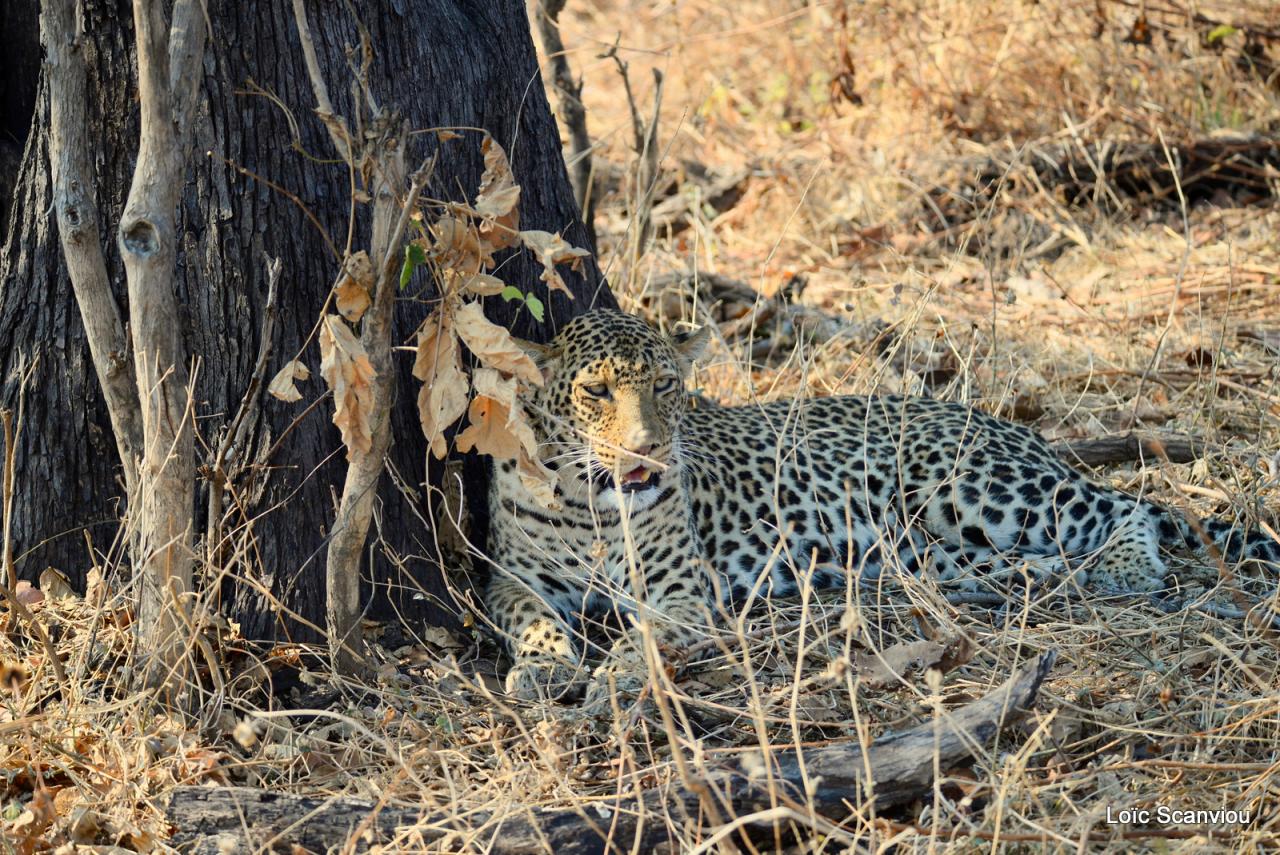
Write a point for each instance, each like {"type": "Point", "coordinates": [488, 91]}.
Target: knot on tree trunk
{"type": "Point", "coordinates": [140, 237]}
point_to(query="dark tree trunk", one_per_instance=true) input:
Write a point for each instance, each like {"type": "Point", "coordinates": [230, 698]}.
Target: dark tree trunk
{"type": "Point", "coordinates": [441, 63]}
{"type": "Point", "coordinates": [19, 67]}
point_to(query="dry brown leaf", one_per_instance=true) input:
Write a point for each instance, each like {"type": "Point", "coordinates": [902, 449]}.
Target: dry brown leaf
{"type": "Point", "coordinates": [493, 345]}
{"type": "Point", "coordinates": [498, 199]}
{"type": "Point", "coordinates": [487, 431]}
{"type": "Point", "coordinates": [445, 136]}
{"type": "Point", "coordinates": [551, 250]}
{"type": "Point", "coordinates": [479, 284]}
{"type": "Point", "coordinates": [353, 293]}
{"type": "Point", "coordinates": [345, 366]}
{"type": "Point", "coordinates": [282, 385]}
{"type": "Point", "coordinates": [56, 584]}
{"type": "Point", "coordinates": [499, 427]}
{"type": "Point", "coordinates": [443, 397]}
{"type": "Point", "coordinates": [26, 594]}
{"type": "Point", "coordinates": [458, 246]}
{"type": "Point", "coordinates": [483, 285]}
{"type": "Point", "coordinates": [82, 823]}
{"type": "Point", "coordinates": [33, 821]}
{"type": "Point", "coordinates": [442, 639]}
{"type": "Point", "coordinates": [494, 427]}
{"type": "Point", "coordinates": [887, 668]}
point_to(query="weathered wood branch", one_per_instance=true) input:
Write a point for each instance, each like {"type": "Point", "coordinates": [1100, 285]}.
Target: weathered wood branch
{"type": "Point", "coordinates": [76, 206]}
{"type": "Point", "coordinates": [355, 510]}
{"type": "Point", "coordinates": [334, 123]}
{"type": "Point", "coordinates": [384, 148]}
{"type": "Point", "coordinates": [1108, 450]}
{"type": "Point", "coordinates": [901, 767]}
{"type": "Point", "coordinates": [148, 240]}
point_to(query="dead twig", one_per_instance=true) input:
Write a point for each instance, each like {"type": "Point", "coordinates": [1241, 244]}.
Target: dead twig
{"type": "Point", "coordinates": [235, 437]}
{"type": "Point", "coordinates": [645, 142]}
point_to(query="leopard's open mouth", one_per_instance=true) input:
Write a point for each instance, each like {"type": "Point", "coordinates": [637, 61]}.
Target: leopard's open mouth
{"type": "Point", "coordinates": [637, 480]}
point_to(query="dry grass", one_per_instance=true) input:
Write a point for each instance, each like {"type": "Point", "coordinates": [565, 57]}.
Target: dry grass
{"type": "Point", "coordinates": [1082, 319]}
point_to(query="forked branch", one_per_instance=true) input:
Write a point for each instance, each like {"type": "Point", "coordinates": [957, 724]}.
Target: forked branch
{"type": "Point", "coordinates": [380, 158]}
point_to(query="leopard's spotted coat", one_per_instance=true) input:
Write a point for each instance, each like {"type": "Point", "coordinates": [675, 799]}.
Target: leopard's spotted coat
{"type": "Point", "coordinates": [722, 504]}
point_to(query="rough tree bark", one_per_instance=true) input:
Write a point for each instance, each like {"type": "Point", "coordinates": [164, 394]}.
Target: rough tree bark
{"type": "Point", "coordinates": [463, 63]}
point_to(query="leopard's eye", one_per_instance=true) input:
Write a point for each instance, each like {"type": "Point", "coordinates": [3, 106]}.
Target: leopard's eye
{"type": "Point", "coordinates": [663, 385]}
{"type": "Point", "coordinates": [597, 390]}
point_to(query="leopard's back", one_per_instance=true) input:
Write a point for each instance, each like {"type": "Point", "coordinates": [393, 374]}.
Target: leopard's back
{"type": "Point", "coordinates": [858, 483]}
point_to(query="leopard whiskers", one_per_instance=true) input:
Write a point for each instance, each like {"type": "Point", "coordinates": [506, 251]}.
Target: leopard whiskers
{"type": "Point", "coordinates": [685, 452]}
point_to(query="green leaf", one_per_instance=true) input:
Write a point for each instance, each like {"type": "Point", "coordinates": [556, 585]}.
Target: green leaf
{"type": "Point", "coordinates": [510, 293]}
{"type": "Point", "coordinates": [414, 256]}
{"type": "Point", "coordinates": [1220, 32]}
{"type": "Point", "coordinates": [535, 307]}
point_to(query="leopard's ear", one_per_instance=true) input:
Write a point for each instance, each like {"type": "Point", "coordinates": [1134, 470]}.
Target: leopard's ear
{"type": "Point", "coordinates": [545, 356]}
{"type": "Point", "coordinates": [690, 345]}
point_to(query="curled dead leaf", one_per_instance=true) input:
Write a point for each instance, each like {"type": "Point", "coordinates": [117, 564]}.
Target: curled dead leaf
{"type": "Point", "coordinates": [498, 199]}
{"type": "Point", "coordinates": [443, 397]}
{"type": "Point", "coordinates": [282, 385]}
{"type": "Point", "coordinates": [483, 285]}
{"type": "Point", "coordinates": [353, 294]}
{"type": "Point", "coordinates": [495, 428]}
{"type": "Point", "coordinates": [26, 594]}
{"type": "Point", "coordinates": [458, 246]}
{"type": "Point", "coordinates": [56, 584]}
{"type": "Point", "coordinates": [551, 250]}
{"type": "Point", "coordinates": [493, 345]}
{"type": "Point", "coordinates": [500, 427]}
{"type": "Point", "coordinates": [346, 368]}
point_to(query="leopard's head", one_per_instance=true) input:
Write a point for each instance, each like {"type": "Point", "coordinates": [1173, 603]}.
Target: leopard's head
{"type": "Point", "coordinates": [609, 412]}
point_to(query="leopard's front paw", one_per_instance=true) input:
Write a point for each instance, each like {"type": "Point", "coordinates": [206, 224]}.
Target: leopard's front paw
{"type": "Point", "coordinates": [540, 677]}
{"type": "Point", "coordinates": [622, 676]}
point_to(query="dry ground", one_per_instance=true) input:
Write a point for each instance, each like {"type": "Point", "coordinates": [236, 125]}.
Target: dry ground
{"type": "Point", "coordinates": [884, 204]}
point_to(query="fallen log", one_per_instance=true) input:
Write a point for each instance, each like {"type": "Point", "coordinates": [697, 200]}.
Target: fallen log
{"type": "Point", "coordinates": [1108, 450]}
{"type": "Point", "coordinates": [210, 820]}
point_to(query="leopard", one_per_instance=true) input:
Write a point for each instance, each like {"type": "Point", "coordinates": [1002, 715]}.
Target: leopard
{"type": "Point", "coordinates": [673, 515]}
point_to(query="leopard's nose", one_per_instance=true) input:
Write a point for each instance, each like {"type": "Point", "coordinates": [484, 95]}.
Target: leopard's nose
{"type": "Point", "coordinates": [638, 440]}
